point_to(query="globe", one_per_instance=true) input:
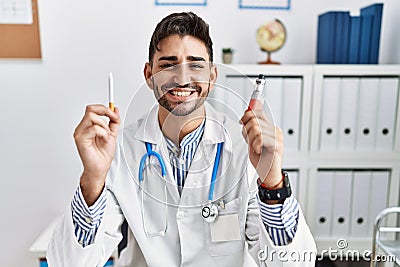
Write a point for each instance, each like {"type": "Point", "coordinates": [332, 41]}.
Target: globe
{"type": "Point", "coordinates": [271, 36]}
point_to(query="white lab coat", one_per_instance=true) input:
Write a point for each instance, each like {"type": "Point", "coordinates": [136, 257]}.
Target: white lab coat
{"type": "Point", "coordinates": [188, 239]}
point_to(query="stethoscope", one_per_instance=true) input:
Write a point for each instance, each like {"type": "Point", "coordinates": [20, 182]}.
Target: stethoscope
{"type": "Point", "coordinates": [148, 154]}
{"type": "Point", "coordinates": [209, 212]}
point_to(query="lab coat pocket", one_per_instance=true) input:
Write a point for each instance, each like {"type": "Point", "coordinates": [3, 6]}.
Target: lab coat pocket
{"type": "Point", "coordinates": [113, 218]}
{"type": "Point", "coordinates": [112, 225]}
{"type": "Point", "coordinates": [225, 236]}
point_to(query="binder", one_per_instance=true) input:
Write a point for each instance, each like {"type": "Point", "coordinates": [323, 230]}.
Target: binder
{"type": "Point", "coordinates": [330, 111]}
{"type": "Point", "coordinates": [341, 37]}
{"type": "Point", "coordinates": [379, 193]}
{"type": "Point", "coordinates": [217, 95]}
{"type": "Point", "coordinates": [354, 40]}
{"type": "Point", "coordinates": [292, 90]}
{"type": "Point", "coordinates": [273, 94]}
{"type": "Point", "coordinates": [374, 11]}
{"type": "Point", "coordinates": [323, 203]}
{"type": "Point", "coordinates": [367, 111]}
{"type": "Point", "coordinates": [294, 181]}
{"type": "Point", "coordinates": [235, 94]}
{"type": "Point", "coordinates": [348, 105]}
{"type": "Point", "coordinates": [365, 39]}
{"type": "Point", "coordinates": [361, 201]}
{"type": "Point", "coordinates": [387, 107]}
{"type": "Point", "coordinates": [326, 37]}
{"type": "Point", "coordinates": [341, 203]}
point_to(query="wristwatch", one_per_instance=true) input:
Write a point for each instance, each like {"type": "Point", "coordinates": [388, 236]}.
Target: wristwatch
{"type": "Point", "coordinates": [281, 194]}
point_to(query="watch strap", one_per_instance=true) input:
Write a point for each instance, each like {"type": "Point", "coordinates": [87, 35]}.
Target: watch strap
{"type": "Point", "coordinates": [280, 194]}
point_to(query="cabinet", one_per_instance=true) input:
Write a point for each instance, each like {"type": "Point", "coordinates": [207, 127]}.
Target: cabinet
{"type": "Point", "coordinates": [341, 126]}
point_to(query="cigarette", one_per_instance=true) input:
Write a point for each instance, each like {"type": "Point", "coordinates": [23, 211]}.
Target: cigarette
{"type": "Point", "coordinates": [111, 91]}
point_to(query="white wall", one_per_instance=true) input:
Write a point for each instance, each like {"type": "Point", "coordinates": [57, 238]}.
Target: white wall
{"type": "Point", "coordinates": [82, 41]}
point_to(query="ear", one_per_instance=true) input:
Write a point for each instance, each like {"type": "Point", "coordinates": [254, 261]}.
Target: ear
{"type": "Point", "coordinates": [148, 75]}
{"type": "Point", "coordinates": [213, 75]}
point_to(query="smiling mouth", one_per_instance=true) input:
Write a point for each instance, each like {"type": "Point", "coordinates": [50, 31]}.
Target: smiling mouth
{"type": "Point", "coordinates": [181, 93]}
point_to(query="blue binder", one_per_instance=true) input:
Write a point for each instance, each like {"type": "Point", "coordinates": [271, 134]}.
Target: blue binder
{"type": "Point", "coordinates": [375, 11]}
{"type": "Point", "coordinates": [326, 38]}
{"type": "Point", "coordinates": [354, 40]}
{"type": "Point", "coordinates": [342, 37]}
{"type": "Point", "coordinates": [365, 39]}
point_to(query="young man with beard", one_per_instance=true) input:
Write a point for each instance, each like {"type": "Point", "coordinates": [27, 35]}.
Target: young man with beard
{"type": "Point", "coordinates": [209, 204]}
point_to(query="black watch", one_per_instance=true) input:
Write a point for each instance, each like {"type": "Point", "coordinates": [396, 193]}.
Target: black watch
{"type": "Point", "coordinates": [276, 194]}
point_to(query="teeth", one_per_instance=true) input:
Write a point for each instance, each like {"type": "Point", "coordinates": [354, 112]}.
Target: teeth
{"type": "Point", "coordinates": [180, 93]}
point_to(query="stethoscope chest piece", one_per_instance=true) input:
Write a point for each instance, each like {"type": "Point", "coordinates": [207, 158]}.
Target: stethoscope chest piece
{"type": "Point", "coordinates": [209, 212]}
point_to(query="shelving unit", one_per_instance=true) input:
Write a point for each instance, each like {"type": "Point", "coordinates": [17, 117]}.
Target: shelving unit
{"type": "Point", "coordinates": [309, 158]}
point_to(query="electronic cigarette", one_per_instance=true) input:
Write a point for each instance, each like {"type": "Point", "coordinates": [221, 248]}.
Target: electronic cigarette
{"type": "Point", "coordinates": [257, 93]}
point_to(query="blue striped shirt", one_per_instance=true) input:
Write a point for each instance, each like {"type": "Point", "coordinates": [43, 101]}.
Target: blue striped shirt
{"type": "Point", "coordinates": [181, 157]}
{"type": "Point", "coordinates": [280, 220]}
{"type": "Point", "coordinates": [87, 219]}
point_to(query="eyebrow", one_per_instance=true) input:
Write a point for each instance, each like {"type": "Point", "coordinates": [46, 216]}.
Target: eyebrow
{"type": "Point", "coordinates": [175, 58]}
{"type": "Point", "coordinates": [193, 58]}
{"type": "Point", "coordinates": [169, 58]}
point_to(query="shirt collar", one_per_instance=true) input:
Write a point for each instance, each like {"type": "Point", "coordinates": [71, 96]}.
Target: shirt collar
{"type": "Point", "coordinates": [214, 127]}
{"type": "Point", "coordinates": [191, 138]}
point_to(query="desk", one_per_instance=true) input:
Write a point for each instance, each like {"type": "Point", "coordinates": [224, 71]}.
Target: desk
{"type": "Point", "coordinates": [39, 246]}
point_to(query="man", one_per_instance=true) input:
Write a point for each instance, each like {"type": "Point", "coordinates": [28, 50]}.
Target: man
{"type": "Point", "coordinates": [184, 218]}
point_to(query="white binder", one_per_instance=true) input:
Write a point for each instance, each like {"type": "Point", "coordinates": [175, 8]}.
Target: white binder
{"type": "Point", "coordinates": [294, 179]}
{"type": "Point", "coordinates": [217, 95]}
{"type": "Point", "coordinates": [387, 107]}
{"type": "Point", "coordinates": [292, 91]}
{"type": "Point", "coordinates": [323, 204]}
{"type": "Point", "coordinates": [341, 203]}
{"type": "Point", "coordinates": [234, 101]}
{"type": "Point", "coordinates": [330, 113]}
{"type": "Point", "coordinates": [348, 103]}
{"type": "Point", "coordinates": [273, 94]}
{"type": "Point", "coordinates": [367, 110]}
{"type": "Point", "coordinates": [379, 195]}
{"type": "Point", "coordinates": [361, 201]}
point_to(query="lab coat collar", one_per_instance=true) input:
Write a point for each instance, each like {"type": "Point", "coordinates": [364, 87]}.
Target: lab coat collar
{"type": "Point", "coordinates": [149, 128]}
{"type": "Point", "coordinates": [214, 130]}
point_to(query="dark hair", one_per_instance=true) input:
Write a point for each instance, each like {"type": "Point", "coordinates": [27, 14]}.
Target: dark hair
{"type": "Point", "coordinates": [185, 23]}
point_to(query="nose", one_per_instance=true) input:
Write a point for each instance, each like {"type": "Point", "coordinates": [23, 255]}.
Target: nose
{"type": "Point", "coordinates": [182, 75]}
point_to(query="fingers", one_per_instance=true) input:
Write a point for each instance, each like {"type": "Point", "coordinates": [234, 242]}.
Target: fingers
{"type": "Point", "coordinates": [260, 133]}
{"type": "Point", "coordinates": [101, 110]}
{"type": "Point", "coordinates": [250, 114]}
{"type": "Point", "coordinates": [115, 122]}
{"type": "Point", "coordinates": [95, 114]}
{"type": "Point", "coordinates": [83, 137]}
{"type": "Point", "coordinates": [97, 131]}
{"type": "Point", "coordinates": [94, 122]}
{"type": "Point", "coordinates": [92, 119]}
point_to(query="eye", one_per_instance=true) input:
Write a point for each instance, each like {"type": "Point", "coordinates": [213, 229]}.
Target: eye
{"type": "Point", "coordinates": [167, 65]}
{"type": "Point", "coordinates": [196, 66]}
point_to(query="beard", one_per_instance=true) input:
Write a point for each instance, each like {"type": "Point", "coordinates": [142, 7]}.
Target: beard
{"type": "Point", "coordinates": [181, 108]}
